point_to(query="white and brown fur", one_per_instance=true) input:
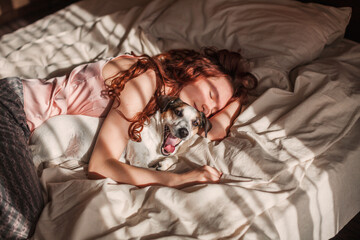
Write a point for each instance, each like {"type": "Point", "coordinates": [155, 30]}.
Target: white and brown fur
{"type": "Point", "coordinates": [175, 118]}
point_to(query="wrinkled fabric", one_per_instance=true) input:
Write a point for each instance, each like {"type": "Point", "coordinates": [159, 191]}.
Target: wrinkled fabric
{"type": "Point", "coordinates": [21, 200]}
{"type": "Point", "coordinates": [79, 92]}
{"type": "Point", "coordinates": [290, 162]}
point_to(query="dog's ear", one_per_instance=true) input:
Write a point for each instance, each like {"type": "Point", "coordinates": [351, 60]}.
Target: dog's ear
{"type": "Point", "coordinates": [165, 102]}
{"type": "Point", "coordinates": [205, 123]}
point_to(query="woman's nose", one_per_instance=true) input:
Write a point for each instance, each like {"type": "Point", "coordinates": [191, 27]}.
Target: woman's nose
{"type": "Point", "coordinates": [206, 110]}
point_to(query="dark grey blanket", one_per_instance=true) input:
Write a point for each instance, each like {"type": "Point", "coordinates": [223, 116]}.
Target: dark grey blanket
{"type": "Point", "coordinates": [21, 200]}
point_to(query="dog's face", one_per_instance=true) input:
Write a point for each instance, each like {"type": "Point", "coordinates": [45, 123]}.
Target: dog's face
{"type": "Point", "coordinates": [181, 121]}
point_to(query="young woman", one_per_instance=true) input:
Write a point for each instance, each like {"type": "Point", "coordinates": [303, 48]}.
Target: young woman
{"type": "Point", "coordinates": [214, 81]}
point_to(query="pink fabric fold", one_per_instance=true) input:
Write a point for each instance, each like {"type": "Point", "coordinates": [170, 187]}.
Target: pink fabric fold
{"type": "Point", "coordinates": [77, 93]}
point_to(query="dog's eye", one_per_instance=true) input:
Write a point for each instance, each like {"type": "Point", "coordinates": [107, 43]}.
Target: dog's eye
{"type": "Point", "coordinates": [178, 113]}
{"type": "Point", "coordinates": [195, 123]}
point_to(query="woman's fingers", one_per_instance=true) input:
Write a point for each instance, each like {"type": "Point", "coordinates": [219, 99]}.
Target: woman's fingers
{"type": "Point", "coordinates": [204, 174]}
{"type": "Point", "coordinates": [209, 174]}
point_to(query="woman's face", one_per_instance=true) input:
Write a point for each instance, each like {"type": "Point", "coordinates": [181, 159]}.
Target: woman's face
{"type": "Point", "coordinates": [208, 95]}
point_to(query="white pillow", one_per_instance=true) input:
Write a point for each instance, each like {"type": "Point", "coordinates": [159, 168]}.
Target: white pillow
{"type": "Point", "coordinates": [64, 140]}
{"type": "Point", "coordinates": [278, 33]}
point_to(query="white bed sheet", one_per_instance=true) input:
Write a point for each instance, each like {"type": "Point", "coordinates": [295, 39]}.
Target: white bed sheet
{"type": "Point", "coordinates": [290, 163]}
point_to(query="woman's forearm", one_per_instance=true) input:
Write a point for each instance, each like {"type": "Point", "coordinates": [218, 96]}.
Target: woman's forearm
{"type": "Point", "coordinates": [141, 177]}
{"type": "Point", "coordinates": [223, 120]}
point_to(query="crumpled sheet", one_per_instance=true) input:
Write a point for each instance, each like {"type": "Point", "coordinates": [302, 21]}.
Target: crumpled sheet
{"type": "Point", "coordinates": [265, 159]}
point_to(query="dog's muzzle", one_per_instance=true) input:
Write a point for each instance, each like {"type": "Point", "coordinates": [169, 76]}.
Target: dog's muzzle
{"type": "Point", "coordinates": [171, 142]}
{"type": "Point", "coordinates": [183, 133]}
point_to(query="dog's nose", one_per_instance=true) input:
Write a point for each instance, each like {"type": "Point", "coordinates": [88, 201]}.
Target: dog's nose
{"type": "Point", "coordinates": [183, 132]}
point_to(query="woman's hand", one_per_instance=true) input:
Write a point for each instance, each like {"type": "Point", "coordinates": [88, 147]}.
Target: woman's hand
{"type": "Point", "coordinates": [204, 174]}
{"type": "Point", "coordinates": [223, 120]}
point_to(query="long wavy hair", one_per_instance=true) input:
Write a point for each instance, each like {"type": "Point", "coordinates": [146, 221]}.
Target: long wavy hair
{"type": "Point", "coordinates": [175, 69]}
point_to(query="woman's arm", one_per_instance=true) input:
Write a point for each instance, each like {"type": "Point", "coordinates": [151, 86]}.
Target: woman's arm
{"type": "Point", "coordinates": [223, 120]}
{"type": "Point", "coordinates": [111, 142]}
{"type": "Point", "coordinates": [113, 137]}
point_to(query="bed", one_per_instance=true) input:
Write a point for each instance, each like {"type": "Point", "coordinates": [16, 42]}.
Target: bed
{"type": "Point", "coordinates": [291, 161]}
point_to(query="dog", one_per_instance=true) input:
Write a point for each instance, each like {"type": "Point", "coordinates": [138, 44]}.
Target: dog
{"type": "Point", "coordinates": [68, 140]}
{"type": "Point", "coordinates": [174, 123]}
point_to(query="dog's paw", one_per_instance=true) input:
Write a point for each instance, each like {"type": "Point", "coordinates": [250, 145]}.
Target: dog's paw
{"type": "Point", "coordinates": [156, 166]}
{"type": "Point", "coordinates": [161, 167]}
{"type": "Point", "coordinates": [153, 165]}
{"type": "Point", "coordinates": [164, 165]}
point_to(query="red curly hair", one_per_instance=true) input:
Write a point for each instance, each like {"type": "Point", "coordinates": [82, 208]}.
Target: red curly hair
{"type": "Point", "coordinates": [175, 69]}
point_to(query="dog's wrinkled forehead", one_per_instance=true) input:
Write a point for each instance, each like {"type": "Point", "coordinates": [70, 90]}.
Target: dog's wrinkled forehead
{"type": "Point", "coordinates": [174, 110]}
{"type": "Point", "coordinates": [188, 112]}
{"type": "Point", "coordinates": [181, 110]}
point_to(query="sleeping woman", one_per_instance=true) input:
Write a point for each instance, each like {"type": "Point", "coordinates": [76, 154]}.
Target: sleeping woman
{"type": "Point", "coordinates": [214, 82]}
{"type": "Point", "coordinates": [125, 89]}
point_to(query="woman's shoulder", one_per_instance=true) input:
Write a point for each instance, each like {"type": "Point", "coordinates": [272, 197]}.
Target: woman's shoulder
{"type": "Point", "coordinates": [145, 83]}
{"type": "Point", "coordinates": [118, 64]}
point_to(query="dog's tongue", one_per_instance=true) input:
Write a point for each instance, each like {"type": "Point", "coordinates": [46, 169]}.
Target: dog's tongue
{"type": "Point", "coordinates": [169, 148]}
{"type": "Point", "coordinates": [170, 143]}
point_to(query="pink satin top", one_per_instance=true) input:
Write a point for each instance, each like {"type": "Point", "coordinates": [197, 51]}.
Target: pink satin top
{"type": "Point", "coordinates": [76, 93]}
